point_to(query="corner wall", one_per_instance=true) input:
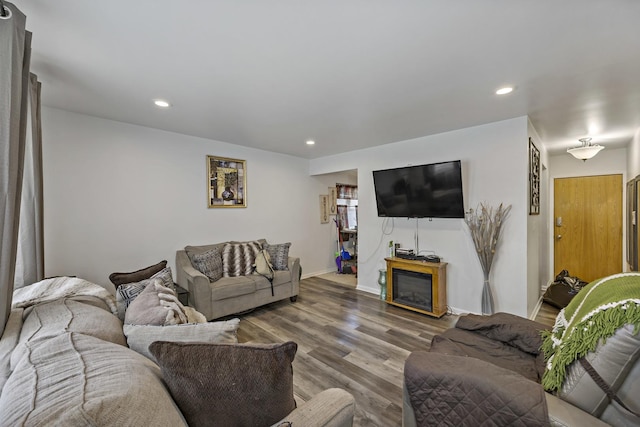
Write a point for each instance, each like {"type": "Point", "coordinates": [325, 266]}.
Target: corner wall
{"type": "Point", "coordinates": [119, 197]}
{"type": "Point", "coordinates": [494, 162]}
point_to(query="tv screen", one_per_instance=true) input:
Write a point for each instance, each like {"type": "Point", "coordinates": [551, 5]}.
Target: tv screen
{"type": "Point", "coordinates": [424, 191]}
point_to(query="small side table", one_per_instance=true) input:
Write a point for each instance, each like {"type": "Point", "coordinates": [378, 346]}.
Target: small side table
{"type": "Point", "coordinates": [183, 294]}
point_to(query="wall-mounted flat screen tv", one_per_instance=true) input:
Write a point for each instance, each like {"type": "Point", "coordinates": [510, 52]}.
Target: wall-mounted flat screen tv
{"type": "Point", "coordinates": [424, 191]}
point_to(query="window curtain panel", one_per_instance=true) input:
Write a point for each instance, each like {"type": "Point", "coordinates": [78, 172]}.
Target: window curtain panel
{"type": "Point", "coordinates": [30, 257]}
{"type": "Point", "coordinates": [15, 47]}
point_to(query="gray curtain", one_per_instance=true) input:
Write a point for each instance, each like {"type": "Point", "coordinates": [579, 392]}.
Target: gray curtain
{"type": "Point", "coordinates": [30, 257]}
{"type": "Point", "coordinates": [15, 47]}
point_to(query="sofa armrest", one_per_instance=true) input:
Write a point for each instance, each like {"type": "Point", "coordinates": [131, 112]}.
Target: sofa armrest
{"type": "Point", "coordinates": [563, 413]}
{"type": "Point", "coordinates": [193, 281]}
{"type": "Point", "coordinates": [293, 263]}
{"type": "Point", "coordinates": [330, 408]}
{"type": "Point", "coordinates": [444, 389]}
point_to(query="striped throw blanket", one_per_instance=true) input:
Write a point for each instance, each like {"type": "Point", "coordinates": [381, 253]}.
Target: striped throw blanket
{"type": "Point", "coordinates": [594, 314]}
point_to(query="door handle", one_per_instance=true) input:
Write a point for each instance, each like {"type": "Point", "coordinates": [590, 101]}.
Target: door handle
{"type": "Point", "coordinates": [559, 236]}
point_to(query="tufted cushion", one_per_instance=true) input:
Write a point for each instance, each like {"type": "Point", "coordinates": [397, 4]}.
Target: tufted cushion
{"type": "Point", "coordinates": [136, 276]}
{"type": "Point", "coordinates": [139, 337]}
{"type": "Point", "coordinates": [279, 254]}
{"type": "Point", "coordinates": [238, 258]}
{"type": "Point", "coordinates": [208, 263]}
{"type": "Point", "coordinates": [156, 305]}
{"type": "Point", "coordinates": [229, 384]}
{"type": "Point", "coordinates": [127, 292]}
{"type": "Point", "coordinates": [78, 380]}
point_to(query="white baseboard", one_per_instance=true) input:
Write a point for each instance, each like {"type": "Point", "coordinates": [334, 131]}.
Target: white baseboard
{"type": "Point", "coordinates": [536, 309]}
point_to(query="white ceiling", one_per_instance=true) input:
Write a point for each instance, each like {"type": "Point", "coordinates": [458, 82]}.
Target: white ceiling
{"type": "Point", "coordinates": [349, 74]}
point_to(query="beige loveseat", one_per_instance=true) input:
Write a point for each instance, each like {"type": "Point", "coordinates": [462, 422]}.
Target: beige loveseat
{"type": "Point", "coordinates": [231, 295]}
{"type": "Point", "coordinates": [66, 362]}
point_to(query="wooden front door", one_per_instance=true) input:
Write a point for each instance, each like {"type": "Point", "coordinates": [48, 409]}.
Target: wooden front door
{"type": "Point", "coordinates": [588, 226]}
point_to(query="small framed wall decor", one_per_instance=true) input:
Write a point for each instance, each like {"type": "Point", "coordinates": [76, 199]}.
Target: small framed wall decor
{"type": "Point", "coordinates": [324, 208]}
{"type": "Point", "coordinates": [226, 182]}
{"type": "Point", "coordinates": [333, 200]}
{"type": "Point", "coordinates": [534, 179]}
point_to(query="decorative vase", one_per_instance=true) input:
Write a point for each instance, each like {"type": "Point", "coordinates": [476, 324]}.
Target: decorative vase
{"type": "Point", "coordinates": [487, 297]}
{"type": "Point", "coordinates": [382, 281]}
{"type": "Point", "coordinates": [227, 194]}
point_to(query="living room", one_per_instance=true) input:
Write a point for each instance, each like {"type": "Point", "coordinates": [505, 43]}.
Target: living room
{"type": "Point", "coordinates": [121, 193]}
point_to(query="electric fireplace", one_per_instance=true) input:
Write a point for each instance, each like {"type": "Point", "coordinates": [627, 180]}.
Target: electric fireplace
{"type": "Point", "coordinates": [417, 285]}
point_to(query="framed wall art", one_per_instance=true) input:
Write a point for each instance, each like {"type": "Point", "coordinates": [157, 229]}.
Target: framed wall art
{"type": "Point", "coordinates": [324, 208]}
{"type": "Point", "coordinates": [333, 200]}
{"type": "Point", "coordinates": [534, 179]}
{"type": "Point", "coordinates": [226, 182]}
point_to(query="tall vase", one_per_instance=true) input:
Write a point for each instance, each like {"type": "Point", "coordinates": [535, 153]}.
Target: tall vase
{"type": "Point", "coordinates": [382, 281]}
{"type": "Point", "coordinates": [487, 296]}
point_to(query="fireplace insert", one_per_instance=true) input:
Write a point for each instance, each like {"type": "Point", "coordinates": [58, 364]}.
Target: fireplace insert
{"type": "Point", "coordinates": [412, 288]}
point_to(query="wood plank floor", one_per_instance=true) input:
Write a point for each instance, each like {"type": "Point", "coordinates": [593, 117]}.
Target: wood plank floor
{"type": "Point", "coordinates": [351, 340]}
{"type": "Point", "coordinates": [347, 339]}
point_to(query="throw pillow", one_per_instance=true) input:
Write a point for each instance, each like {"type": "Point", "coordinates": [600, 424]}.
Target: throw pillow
{"type": "Point", "coordinates": [279, 255]}
{"type": "Point", "coordinates": [156, 305]}
{"type": "Point", "coordinates": [208, 263]}
{"type": "Point", "coordinates": [238, 258]}
{"type": "Point", "coordinates": [127, 292]}
{"type": "Point", "coordinates": [139, 337]}
{"type": "Point", "coordinates": [228, 384]}
{"type": "Point", "coordinates": [136, 276]}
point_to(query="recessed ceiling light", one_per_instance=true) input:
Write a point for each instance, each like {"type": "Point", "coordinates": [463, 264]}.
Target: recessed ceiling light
{"type": "Point", "coordinates": [310, 142]}
{"type": "Point", "coordinates": [504, 90]}
{"type": "Point", "coordinates": [161, 103]}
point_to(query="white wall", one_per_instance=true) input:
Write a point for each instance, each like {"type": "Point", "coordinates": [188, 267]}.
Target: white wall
{"type": "Point", "coordinates": [607, 162]}
{"type": "Point", "coordinates": [494, 162]}
{"type": "Point", "coordinates": [120, 197]}
{"type": "Point", "coordinates": [633, 156]}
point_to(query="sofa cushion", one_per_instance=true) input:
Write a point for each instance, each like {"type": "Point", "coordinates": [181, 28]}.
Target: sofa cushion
{"type": "Point", "coordinates": [78, 380]}
{"type": "Point", "coordinates": [279, 254]}
{"type": "Point", "coordinates": [229, 384]}
{"type": "Point", "coordinates": [48, 320]}
{"type": "Point", "coordinates": [230, 287]}
{"type": "Point", "coordinates": [127, 292]}
{"type": "Point", "coordinates": [139, 337]}
{"type": "Point", "coordinates": [136, 276]}
{"type": "Point", "coordinates": [208, 263]}
{"type": "Point", "coordinates": [156, 305]}
{"type": "Point", "coordinates": [279, 277]}
{"type": "Point", "coordinates": [238, 258]}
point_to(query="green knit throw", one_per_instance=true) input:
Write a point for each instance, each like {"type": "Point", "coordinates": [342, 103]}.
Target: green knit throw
{"type": "Point", "coordinates": [594, 314]}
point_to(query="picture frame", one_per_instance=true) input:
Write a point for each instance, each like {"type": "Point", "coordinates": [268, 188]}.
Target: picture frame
{"type": "Point", "coordinates": [333, 200]}
{"type": "Point", "coordinates": [534, 179]}
{"type": "Point", "coordinates": [226, 182]}
{"type": "Point", "coordinates": [324, 208]}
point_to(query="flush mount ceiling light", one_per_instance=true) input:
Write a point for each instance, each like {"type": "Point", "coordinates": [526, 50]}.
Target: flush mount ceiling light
{"type": "Point", "coordinates": [310, 142]}
{"type": "Point", "coordinates": [586, 150]}
{"type": "Point", "coordinates": [504, 90]}
{"type": "Point", "coordinates": [161, 103]}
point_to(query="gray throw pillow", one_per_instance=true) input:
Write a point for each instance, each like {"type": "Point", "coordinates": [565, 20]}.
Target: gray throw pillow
{"type": "Point", "coordinates": [138, 275]}
{"type": "Point", "coordinates": [279, 254]}
{"type": "Point", "coordinates": [139, 337]}
{"type": "Point", "coordinates": [238, 258]}
{"type": "Point", "coordinates": [228, 384]}
{"type": "Point", "coordinates": [156, 305]}
{"type": "Point", "coordinates": [208, 263]}
{"type": "Point", "coordinates": [126, 293]}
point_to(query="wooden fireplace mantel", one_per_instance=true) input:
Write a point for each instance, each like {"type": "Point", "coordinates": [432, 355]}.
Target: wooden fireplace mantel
{"type": "Point", "coordinates": [438, 272]}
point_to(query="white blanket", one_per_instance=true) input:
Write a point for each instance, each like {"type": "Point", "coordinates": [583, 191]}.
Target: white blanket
{"type": "Point", "coordinates": [61, 287]}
